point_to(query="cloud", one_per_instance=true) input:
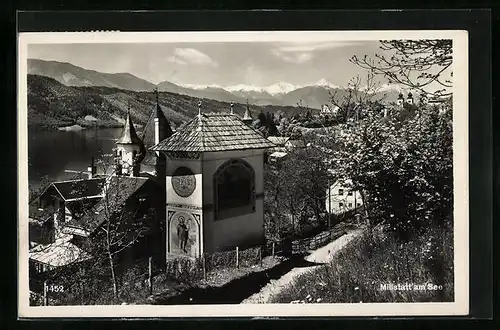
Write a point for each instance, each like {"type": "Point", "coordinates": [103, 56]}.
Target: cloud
{"type": "Point", "coordinates": [301, 47]}
{"type": "Point", "coordinates": [186, 56]}
{"type": "Point", "coordinates": [297, 58]}
{"type": "Point", "coordinates": [301, 52]}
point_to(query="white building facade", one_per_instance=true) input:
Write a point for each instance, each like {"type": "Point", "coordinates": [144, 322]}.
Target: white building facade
{"type": "Point", "coordinates": [341, 198]}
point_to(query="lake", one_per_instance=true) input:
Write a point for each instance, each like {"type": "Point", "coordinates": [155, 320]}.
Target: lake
{"type": "Point", "coordinates": [50, 153]}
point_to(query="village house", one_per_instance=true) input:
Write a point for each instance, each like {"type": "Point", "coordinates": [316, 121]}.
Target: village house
{"type": "Point", "coordinates": [326, 110]}
{"type": "Point", "coordinates": [279, 151]}
{"type": "Point", "coordinates": [294, 144]}
{"type": "Point", "coordinates": [279, 142]}
{"type": "Point", "coordinates": [341, 198]}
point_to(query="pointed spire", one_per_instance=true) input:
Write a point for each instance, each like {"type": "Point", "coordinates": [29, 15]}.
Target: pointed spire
{"type": "Point", "coordinates": [158, 109]}
{"type": "Point", "coordinates": [129, 135]}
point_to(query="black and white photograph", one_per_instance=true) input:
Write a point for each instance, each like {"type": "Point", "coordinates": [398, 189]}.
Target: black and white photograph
{"type": "Point", "coordinates": [305, 173]}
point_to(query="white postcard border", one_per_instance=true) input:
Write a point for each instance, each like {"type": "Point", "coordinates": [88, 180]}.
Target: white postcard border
{"type": "Point", "coordinates": [460, 167]}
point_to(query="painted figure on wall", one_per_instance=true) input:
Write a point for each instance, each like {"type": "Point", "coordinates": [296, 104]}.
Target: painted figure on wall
{"type": "Point", "coordinates": [184, 234]}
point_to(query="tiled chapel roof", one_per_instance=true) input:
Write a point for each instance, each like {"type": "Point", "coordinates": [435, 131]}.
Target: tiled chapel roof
{"type": "Point", "coordinates": [214, 132]}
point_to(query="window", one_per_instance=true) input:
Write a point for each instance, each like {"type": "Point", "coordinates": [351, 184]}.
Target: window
{"type": "Point", "coordinates": [341, 192]}
{"type": "Point", "coordinates": [350, 204]}
{"type": "Point", "coordinates": [349, 193]}
{"type": "Point", "coordinates": [341, 204]}
{"type": "Point", "coordinates": [234, 185]}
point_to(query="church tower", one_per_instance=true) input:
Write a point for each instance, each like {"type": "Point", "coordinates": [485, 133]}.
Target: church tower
{"type": "Point", "coordinates": [409, 100]}
{"type": "Point", "coordinates": [130, 150]}
{"type": "Point", "coordinates": [401, 99]}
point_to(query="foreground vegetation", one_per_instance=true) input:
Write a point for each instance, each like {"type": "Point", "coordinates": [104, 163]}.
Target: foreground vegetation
{"type": "Point", "coordinates": [359, 271]}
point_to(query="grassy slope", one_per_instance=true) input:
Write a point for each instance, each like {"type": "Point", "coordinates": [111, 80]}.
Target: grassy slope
{"type": "Point", "coordinates": [52, 104]}
{"type": "Point", "coordinates": [357, 272]}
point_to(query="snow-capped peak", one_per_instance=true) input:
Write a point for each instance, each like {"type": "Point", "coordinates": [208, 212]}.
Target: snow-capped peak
{"type": "Point", "coordinates": [274, 89]}
{"type": "Point", "coordinates": [243, 87]}
{"type": "Point", "coordinates": [391, 87]}
{"type": "Point", "coordinates": [198, 87]}
{"type": "Point", "coordinates": [281, 88]}
{"type": "Point", "coordinates": [323, 82]}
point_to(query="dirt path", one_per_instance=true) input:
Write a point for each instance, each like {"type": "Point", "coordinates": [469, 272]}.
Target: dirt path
{"type": "Point", "coordinates": [319, 256]}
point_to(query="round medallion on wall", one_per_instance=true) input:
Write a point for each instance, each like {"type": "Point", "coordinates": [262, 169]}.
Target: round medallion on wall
{"type": "Point", "coordinates": [183, 182]}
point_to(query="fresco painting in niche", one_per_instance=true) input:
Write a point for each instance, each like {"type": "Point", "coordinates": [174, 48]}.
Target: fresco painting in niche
{"type": "Point", "coordinates": [184, 235]}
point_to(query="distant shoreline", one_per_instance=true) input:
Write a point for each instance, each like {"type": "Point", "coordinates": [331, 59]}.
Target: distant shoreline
{"type": "Point", "coordinates": [69, 127]}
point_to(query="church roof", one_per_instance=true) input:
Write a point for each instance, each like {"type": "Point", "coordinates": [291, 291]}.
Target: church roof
{"type": "Point", "coordinates": [214, 132]}
{"type": "Point", "coordinates": [129, 135]}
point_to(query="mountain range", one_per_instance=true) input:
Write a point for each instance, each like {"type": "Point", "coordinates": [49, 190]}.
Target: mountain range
{"type": "Point", "coordinates": [312, 95]}
{"type": "Point", "coordinates": [52, 104]}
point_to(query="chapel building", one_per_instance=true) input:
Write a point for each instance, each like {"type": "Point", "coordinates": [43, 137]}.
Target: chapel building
{"type": "Point", "coordinates": [214, 184]}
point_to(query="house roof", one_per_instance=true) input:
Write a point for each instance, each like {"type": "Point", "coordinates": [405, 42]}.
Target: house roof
{"type": "Point", "coordinates": [119, 190]}
{"type": "Point", "coordinates": [296, 143]}
{"type": "Point", "coordinates": [214, 132]}
{"type": "Point", "coordinates": [58, 254]}
{"type": "Point", "coordinates": [278, 154]}
{"type": "Point", "coordinates": [39, 215]}
{"type": "Point", "coordinates": [278, 140]}
{"type": "Point", "coordinates": [79, 189]}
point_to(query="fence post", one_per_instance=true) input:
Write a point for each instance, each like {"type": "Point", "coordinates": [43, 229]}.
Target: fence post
{"type": "Point", "coordinates": [273, 250]}
{"type": "Point", "coordinates": [237, 258]}
{"type": "Point", "coordinates": [150, 276]}
{"type": "Point", "coordinates": [204, 267]}
{"type": "Point", "coordinates": [45, 294]}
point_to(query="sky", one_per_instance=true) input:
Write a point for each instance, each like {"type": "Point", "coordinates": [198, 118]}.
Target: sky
{"type": "Point", "coordinates": [216, 63]}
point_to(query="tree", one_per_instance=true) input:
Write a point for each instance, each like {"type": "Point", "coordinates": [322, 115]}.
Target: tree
{"type": "Point", "coordinates": [123, 220]}
{"type": "Point", "coordinates": [296, 192]}
{"type": "Point", "coordinates": [404, 167]}
{"type": "Point", "coordinates": [418, 64]}
{"type": "Point", "coordinates": [356, 100]}
{"type": "Point", "coordinates": [118, 224]}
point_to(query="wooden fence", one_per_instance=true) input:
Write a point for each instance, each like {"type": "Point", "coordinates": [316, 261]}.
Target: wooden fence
{"type": "Point", "coordinates": [304, 246]}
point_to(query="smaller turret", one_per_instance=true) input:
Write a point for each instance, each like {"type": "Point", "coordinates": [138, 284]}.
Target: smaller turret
{"type": "Point", "coordinates": [130, 149]}
{"type": "Point", "coordinates": [247, 117]}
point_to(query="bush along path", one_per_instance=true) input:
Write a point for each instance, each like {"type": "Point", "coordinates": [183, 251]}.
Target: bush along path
{"type": "Point", "coordinates": [315, 259]}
